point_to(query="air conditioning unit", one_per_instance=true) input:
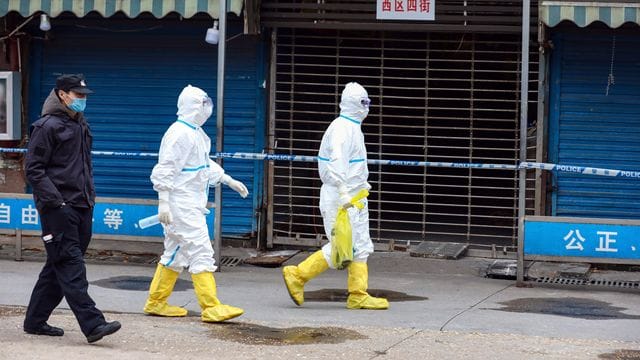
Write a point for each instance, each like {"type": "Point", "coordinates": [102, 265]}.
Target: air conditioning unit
{"type": "Point", "coordinates": [10, 100]}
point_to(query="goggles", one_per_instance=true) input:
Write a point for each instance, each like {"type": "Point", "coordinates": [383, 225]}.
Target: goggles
{"type": "Point", "coordinates": [365, 102]}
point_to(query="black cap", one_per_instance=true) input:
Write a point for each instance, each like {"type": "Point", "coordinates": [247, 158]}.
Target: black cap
{"type": "Point", "coordinates": [73, 82]}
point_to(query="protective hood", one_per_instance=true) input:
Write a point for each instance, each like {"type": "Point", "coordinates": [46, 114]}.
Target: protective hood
{"type": "Point", "coordinates": [194, 106]}
{"type": "Point", "coordinates": [351, 103]}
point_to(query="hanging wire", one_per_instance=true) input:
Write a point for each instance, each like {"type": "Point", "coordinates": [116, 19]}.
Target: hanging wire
{"type": "Point", "coordinates": [611, 80]}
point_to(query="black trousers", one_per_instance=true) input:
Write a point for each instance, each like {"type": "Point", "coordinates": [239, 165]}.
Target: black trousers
{"type": "Point", "coordinates": [66, 233]}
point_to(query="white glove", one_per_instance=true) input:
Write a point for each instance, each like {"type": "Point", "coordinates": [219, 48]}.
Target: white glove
{"type": "Point", "coordinates": [345, 199]}
{"type": "Point", "coordinates": [164, 210]}
{"type": "Point", "coordinates": [235, 185]}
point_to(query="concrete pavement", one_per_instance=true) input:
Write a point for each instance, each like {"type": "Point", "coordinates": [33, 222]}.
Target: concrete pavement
{"type": "Point", "coordinates": [428, 299]}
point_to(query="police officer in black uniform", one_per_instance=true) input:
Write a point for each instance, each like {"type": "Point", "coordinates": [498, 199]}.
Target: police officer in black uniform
{"type": "Point", "coordinates": [59, 169]}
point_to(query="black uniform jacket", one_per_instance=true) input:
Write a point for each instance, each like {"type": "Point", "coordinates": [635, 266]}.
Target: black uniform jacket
{"type": "Point", "coordinates": [58, 164]}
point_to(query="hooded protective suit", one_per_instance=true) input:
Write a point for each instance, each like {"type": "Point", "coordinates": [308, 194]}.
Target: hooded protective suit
{"type": "Point", "coordinates": [182, 178]}
{"type": "Point", "coordinates": [184, 173]}
{"type": "Point", "coordinates": [342, 163]}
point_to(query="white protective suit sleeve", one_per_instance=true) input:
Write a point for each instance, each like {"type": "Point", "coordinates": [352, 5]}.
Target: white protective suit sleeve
{"type": "Point", "coordinates": [338, 165]}
{"type": "Point", "coordinates": [217, 176]}
{"type": "Point", "coordinates": [216, 173]}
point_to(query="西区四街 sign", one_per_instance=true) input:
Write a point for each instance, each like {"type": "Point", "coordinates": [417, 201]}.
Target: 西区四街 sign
{"type": "Point", "coordinates": [405, 9]}
{"type": "Point", "coordinates": [580, 237]}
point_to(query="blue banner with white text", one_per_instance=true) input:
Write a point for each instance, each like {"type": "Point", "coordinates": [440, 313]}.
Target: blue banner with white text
{"type": "Point", "coordinates": [108, 218]}
{"type": "Point", "coordinates": [579, 239]}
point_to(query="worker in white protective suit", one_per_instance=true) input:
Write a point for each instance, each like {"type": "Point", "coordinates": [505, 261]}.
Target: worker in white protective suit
{"type": "Point", "coordinates": [342, 163]}
{"type": "Point", "coordinates": [182, 178]}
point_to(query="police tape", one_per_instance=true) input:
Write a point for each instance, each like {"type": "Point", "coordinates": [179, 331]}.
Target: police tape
{"type": "Point", "coordinates": [585, 170]}
{"type": "Point", "coordinates": [283, 157]}
{"type": "Point", "coordinates": [303, 158]}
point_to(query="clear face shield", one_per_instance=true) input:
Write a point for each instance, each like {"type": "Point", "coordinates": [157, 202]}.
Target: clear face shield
{"type": "Point", "coordinates": [207, 103]}
{"type": "Point", "coordinates": [365, 102]}
{"type": "Point", "coordinates": [206, 110]}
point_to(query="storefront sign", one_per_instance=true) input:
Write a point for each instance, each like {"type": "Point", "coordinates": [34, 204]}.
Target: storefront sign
{"type": "Point", "coordinates": [581, 237]}
{"type": "Point", "coordinates": [111, 218]}
{"type": "Point", "coordinates": [406, 9]}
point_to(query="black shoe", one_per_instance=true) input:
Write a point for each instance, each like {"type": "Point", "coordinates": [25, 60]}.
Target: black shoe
{"type": "Point", "coordinates": [45, 329]}
{"type": "Point", "coordinates": [103, 330]}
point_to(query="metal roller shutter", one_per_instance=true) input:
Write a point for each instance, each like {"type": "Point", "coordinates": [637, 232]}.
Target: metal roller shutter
{"type": "Point", "coordinates": [589, 127]}
{"type": "Point", "coordinates": [137, 68]}
{"type": "Point", "coordinates": [435, 97]}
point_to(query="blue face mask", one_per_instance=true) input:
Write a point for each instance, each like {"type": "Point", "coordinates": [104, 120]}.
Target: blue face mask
{"type": "Point", "coordinates": [78, 105]}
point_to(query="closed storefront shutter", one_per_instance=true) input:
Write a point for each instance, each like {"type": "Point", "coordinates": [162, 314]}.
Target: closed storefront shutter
{"type": "Point", "coordinates": [595, 121]}
{"type": "Point", "coordinates": [137, 68]}
{"type": "Point", "coordinates": [435, 97]}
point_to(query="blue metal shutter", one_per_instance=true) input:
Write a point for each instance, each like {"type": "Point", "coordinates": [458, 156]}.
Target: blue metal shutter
{"type": "Point", "coordinates": [137, 68]}
{"type": "Point", "coordinates": [589, 127]}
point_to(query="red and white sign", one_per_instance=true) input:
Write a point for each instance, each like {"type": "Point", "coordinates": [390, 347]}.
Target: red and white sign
{"type": "Point", "coordinates": [406, 9]}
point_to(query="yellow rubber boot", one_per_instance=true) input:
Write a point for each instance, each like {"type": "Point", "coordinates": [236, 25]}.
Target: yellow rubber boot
{"type": "Point", "coordinates": [296, 276]}
{"type": "Point", "coordinates": [204, 285]}
{"type": "Point", "coordinates": [161, 287]}
{"type": "Point", "coordinates": [357, 283]}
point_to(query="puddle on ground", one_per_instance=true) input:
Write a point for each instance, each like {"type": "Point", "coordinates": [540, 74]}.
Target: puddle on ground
{"type": "Point", "coordinates": [251, 334]}
{"type": "Point", "coordinates": [340, 295]}
{"type": "Point", "coordinates": [569, 306]}
{"type": "Point", "coordinates": [137, 283]}
{"type": "Point", "coordinates": [8, 310]}
{"type": "Point", "coordinates": [622, 354]}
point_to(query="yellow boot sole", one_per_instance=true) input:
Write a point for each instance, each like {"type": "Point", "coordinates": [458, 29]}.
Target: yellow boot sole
{"type": "Point", "coordinates": [366, 302]}
{"type": "Point", "coordinates": [220, 313]}
{"type": "Point", "coordinates": [164, 310]}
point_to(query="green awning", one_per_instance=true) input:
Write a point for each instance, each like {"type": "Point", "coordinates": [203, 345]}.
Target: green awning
{"type": "Point", "coordinates": [132, 8]}
{"type": "Point", "coordinates": [583, 13]}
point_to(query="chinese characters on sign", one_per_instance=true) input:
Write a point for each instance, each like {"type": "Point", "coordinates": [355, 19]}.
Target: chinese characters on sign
{"type": "Point", "coordinates": [113, 218]}
{"type": "Point", "coordinates": [17, 211]}
{"type": "Point", "coordinates": [405, 9]}
{"type": "Point", "coordinates": [605, 238]}
{"type": "Point", "coordinates": [581, 237]}
{"type": "Point", "coordinates": [29, 215]}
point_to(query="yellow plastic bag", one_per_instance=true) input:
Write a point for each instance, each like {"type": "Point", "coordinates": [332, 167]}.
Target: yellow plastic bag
{"type": "Point", "coordinates": [341, 237]}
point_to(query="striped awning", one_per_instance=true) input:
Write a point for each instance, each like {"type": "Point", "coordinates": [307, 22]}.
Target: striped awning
{"type": "Point", "coordinates": [132, 8]}
{"type": "Point", "coordinates": [583, 13]}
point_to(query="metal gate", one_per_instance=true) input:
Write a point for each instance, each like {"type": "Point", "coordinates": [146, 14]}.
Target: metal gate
{"type": "Point", "coordinates": [435, 97]}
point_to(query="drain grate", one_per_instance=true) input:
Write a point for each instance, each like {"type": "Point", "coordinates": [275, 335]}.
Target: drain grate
{"type": "Point", "coordinates": [230, 261]}
{"type": "Point", "coordinates": [603, 283]}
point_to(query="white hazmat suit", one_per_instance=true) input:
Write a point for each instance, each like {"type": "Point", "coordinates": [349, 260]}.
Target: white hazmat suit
{"type": "Point", "coordinates": [342, 164]}
{"type": "Point", "coordinates": [182, 178]}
